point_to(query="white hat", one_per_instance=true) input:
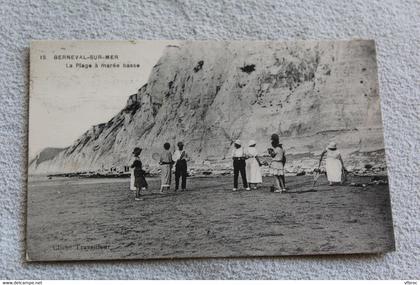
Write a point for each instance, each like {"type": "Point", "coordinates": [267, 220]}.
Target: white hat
{"type": "Point", "coordinates": [252, 142]}
{"type": "Point", "coordinates": [332, 145]}
{"type": "Point", "coordinates": [238, 142]}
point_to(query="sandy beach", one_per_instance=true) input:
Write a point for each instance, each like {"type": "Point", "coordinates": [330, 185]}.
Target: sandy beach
{"type": "Point", "coordinates": [71, 219]}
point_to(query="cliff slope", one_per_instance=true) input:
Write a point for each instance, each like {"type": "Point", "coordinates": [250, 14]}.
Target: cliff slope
{"type": "Point", "coordinates": [208, 94]}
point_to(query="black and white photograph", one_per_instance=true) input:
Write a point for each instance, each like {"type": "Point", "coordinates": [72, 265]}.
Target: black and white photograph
{"type": "Point", "coordinates": [194, 149]}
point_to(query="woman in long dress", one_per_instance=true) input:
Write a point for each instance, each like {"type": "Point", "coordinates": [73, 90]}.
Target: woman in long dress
{"type": "Point", "coordinates": [136, 153]}
{"type": "Point", "coordinates": [253, 171]}
{"type": "Point", "coordinates": [166, 167]}
{"type": "Point", "coordinates": [139, 180]}
{"type": "Point", "coordinates": [334, 163]}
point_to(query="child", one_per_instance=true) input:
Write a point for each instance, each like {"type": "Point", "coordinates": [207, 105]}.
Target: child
{"type": "Point", "coordinates": [166, 167]}
{"type": "Point", "coordinates": [139, 179]}
{"type": "Point", "coordinates": [238, 157]}
{"type": "Point", "coordinates": [277, 165]}
{"type": "Point", "coordinates": [253, 171]}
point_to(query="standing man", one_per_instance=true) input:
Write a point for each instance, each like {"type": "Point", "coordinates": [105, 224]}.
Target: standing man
{"type": "Point", "coordinates": [239, 165]}
{"type": "Point", "coordinates": [180, 157]}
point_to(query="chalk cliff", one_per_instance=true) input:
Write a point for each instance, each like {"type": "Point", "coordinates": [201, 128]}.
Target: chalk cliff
{"type": "Point", "coordinates": [208, 94]}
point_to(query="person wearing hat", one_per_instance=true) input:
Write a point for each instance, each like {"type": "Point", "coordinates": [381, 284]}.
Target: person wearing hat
{"type": "Point", "coordinates": [253, 171]}
{"type": "Point", "coordinates": [166, 163]}
{"type": "Point", "coordinates": [334, 163]}
{"type": "Point", "coordinates": [180, 157]}
{"type": "Point", "coordinates": [138, 173]}
{"type": "Point", "coordinates": [136, 153]}
{"type": "Point", "coordinates": [239, 165]}
{"type": "Point", "coordinates": [277, 165]}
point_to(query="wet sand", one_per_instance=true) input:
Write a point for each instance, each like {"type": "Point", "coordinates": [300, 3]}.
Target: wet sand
{"type": "Point", "coordinates": [72, 219]}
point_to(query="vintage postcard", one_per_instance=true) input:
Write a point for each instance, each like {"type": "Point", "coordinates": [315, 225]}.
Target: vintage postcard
{"type": "Point", "coordinates": [185, 149]}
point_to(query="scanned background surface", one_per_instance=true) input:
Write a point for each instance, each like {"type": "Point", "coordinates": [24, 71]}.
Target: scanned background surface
{"type": "Point", "coordinates": [391, 23]}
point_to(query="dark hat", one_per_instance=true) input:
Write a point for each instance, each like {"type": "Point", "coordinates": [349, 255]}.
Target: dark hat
{"type": "Point", "coordinates": [275, 137]}
{"type": "Point", "coordinates": [137, 150]}
{"type": "Point", "coordinates": [180, 144]}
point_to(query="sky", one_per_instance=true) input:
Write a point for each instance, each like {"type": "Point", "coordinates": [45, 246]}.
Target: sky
{"type": "Point", "coordinates": [66, 100]}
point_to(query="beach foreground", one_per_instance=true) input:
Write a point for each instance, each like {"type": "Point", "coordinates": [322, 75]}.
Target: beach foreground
{"type": "Point", "coordinates": [73, 219]}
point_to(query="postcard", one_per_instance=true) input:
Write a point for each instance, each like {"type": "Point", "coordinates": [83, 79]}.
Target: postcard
{"type": "Point", "coordinates": [192, 149]}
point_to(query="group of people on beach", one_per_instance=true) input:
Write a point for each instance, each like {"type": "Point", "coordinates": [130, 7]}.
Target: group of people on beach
{"type": "Point", "coordinates": [246, 162]}
{"type": "Point", "coordinates": [166, 160]}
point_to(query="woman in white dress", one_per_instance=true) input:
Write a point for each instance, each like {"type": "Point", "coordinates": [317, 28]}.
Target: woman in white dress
{"type": "Point", "coordinates": [333, 164]}
{"type": "Point", "coordinates": [166, 163]}
{"type": "Point", "coordinates": [253, 171]}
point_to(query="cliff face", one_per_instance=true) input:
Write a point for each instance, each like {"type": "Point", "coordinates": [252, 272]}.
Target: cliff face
{"type": "Point", "coordinates": [46, 154]}
{"type": "Point", "coordinates": [208, 94]}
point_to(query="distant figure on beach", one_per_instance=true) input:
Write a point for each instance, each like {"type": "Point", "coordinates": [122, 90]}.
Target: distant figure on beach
{"type": "Point", "coordinates": [138, 173]}
{"type": "Point", "coordinates": [166, 167]}
{"type": "Point", "coordinates": [334, 164]}
{"type": "Point", "coordinates": [135, 156]}
{"type": "Point", "coordinates": [239, 165]}
{"type": "Point", "coordinates": [277, 165]}
{"type": "Point", "coordinates": [253, 171]}
{"type": "Point", "coordinates": [180, 157]}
